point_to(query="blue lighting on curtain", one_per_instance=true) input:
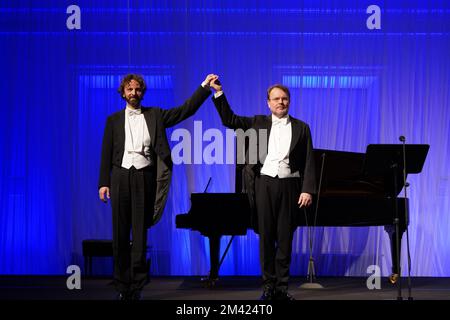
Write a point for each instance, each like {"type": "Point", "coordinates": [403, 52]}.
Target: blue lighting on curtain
{"type": "Point", "coordinates": [354, 86]}
{"type": "Point", "coordinates": [328, 81]}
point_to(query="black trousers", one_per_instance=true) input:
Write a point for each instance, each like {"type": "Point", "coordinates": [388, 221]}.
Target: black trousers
{"type": "Point", "coordinates": [132, 199]}
{"type": "Point", "coordinates": [276, 204]}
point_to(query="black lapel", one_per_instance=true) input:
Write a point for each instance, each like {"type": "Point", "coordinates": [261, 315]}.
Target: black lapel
{"type": "Point", "coordinates": [295, 127]}
{"type": "Point", "coordinates": [268, 127]}
{"type": "Point", "coordinates": [265, 124]}
{"type": "Point", "coordinates": [120, 125]}
{"type": "Point", "coordinates": [150, 120]}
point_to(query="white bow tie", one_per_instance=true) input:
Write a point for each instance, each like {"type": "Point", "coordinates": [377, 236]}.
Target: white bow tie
{"type": "Point", "coordinates": [278, 121]}
{"type": "Point", "coordinates": [134, 112]}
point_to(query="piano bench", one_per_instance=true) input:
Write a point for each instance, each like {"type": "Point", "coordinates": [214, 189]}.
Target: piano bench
{"type": "Point", "coordinates": [95, 248]}
{"type": "Point", "coordinates": [101, 248]}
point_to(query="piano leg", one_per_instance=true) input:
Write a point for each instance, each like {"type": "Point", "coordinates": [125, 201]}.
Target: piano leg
{"type": "Point", "coordinates": [214, 253]}
{"type": "Point", "coordinates": [390, 229]}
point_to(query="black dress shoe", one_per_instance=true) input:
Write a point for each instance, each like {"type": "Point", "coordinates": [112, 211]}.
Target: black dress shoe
{"type": "Point", "coordinates": [123, 296]}
{"type": "Point", "coordinates": [267, 294]}
{"type": "Point", "coordinates": [209, 281]}
{"type": "Point", "coordinates": [283, 296]}
{"type": "Point", "coordinates": [136, 295]}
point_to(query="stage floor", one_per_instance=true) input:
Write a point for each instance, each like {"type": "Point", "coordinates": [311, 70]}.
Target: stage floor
{"type": "Point", "coordinates": [227, 288]}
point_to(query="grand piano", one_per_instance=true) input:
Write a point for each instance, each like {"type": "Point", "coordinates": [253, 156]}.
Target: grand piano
{"type": "Point", "coordinates": [352, 194]}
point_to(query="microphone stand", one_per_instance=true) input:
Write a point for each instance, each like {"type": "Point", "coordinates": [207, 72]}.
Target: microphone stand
{"type": "Point", "coordinates": [311, 270]}
{"type": "Point", "coordinates": [394, 167]}
{"type": "Point", "coordinates": [406, 184]}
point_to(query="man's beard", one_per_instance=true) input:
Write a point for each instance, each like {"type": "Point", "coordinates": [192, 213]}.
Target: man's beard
{"type": "Point", "coordinates": [134, 102]}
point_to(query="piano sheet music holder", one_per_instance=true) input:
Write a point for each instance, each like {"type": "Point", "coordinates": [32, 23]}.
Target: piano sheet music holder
{"type": "Point", "coordinates": [384, 160]}
{"type": "Point", "coordinates": [380, 158]}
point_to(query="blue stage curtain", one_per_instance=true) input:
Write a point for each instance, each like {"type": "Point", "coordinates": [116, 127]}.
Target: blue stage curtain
{"type": "Point", "coordinates": [354, 86]}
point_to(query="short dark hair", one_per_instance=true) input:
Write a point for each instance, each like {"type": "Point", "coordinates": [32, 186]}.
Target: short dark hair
{"type": "Point", "coordinates": [281, 87]}
{"type": "Point", "coordinates": [127, 79]}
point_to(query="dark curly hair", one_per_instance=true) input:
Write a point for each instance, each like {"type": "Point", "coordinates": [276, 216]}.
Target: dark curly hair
{"type": "Point", "coordinates": [127, 79]}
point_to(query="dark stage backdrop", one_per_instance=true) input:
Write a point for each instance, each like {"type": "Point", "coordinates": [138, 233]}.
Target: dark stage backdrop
{"type": "Point", "coordinates": [353, 85]}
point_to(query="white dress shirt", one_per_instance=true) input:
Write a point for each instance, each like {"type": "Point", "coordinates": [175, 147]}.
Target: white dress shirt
{"type": "Point", "coordinates": [137, 140]}
{"type": "Point", "coordinates": [277, 160]}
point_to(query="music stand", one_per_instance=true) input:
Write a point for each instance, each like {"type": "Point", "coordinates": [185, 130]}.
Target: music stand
{"type": "Point", "coordinates": [380, 157]}
{"type": "Point", "coordinates": [395, 159]}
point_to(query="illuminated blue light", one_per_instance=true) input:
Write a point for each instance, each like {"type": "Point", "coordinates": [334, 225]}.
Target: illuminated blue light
{"type": "Point", "coordinates": [112, 81]}
{"type": "Point", "coordinates": [316, 81]}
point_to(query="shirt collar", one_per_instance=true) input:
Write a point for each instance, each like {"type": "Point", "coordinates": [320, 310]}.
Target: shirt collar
{"type": "Point", "coordinates": [284, 120]}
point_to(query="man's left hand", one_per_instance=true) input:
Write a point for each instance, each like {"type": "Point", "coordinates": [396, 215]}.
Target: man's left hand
{"type": "Point", "coordinates": [209, 78]}
{"type": "Point", "coordinates": [304, 200]}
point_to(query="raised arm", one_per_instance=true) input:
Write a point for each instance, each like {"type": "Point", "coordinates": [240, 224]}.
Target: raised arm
{"type": "Point", "coordinates": [229, 119]}
{"type": "Point", "coordinates": [174, 116]}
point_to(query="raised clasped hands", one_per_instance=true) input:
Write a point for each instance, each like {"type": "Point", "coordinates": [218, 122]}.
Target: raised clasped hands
{"type": "Point", "coordinates": [212, 81]}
